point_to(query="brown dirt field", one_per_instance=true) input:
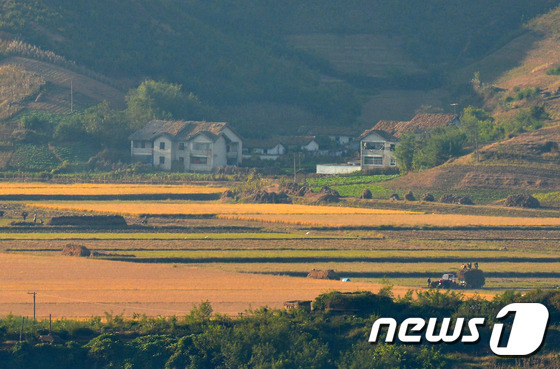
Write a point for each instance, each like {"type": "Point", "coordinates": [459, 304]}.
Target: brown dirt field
{"type": "Point", "coordinates": [72, 287]}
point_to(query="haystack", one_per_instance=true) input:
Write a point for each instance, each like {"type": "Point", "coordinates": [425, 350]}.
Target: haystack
{"type": "Point", "coordinates": [428, 197]}
{"type": "Point", "coordinates": [75, 250]}
{"type": "Point", "coordinates": [409, 196]}
{"type": "Point", "coordinates": [454, 199]}
{"type": "Point", "coordinates": [323, 274]}
{"type": "Point", "coordinates": [522, 201]}
{"type": "Point", "coordinates": [366, 194]}
{"type": "Point", "coordinates": [474, 278]}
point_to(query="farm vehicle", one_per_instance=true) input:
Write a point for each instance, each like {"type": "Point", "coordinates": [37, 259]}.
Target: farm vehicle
{"type": "Point", "coordinates": [465, 278]}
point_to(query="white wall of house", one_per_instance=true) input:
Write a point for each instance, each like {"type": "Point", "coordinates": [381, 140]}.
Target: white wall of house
{"type": "Point", "coordinates": [219, 153]}
{"type": "Point", "coordinates": [163, 152]}
{"type": "Point", "coordinates": [279, 149]}
{"type": "Point", "coordinates": [311, 146]}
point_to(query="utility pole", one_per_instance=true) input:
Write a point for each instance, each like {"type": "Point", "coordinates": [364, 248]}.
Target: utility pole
{"type": "Point", "coordinates": [34, 294]}
{"type": "Point", "coordinates": [71, 96]}
{"type": "Point", "coordinates": [295, 172]}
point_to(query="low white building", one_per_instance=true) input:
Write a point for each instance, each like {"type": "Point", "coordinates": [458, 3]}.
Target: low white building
{"type": "Point", "coordinates": [186, 145]}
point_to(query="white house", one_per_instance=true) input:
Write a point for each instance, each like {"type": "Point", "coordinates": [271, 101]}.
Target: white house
{"type": "Point", "coordinates": [186, 145]}
{"type": "Point", "coordinates": [268, 149]}
{"type": "Point", "coordinates": [377, 149]}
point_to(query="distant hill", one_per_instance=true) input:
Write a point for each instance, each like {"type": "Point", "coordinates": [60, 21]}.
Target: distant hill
{"type": "Point", "coordinates": [318, 59]}
{"type": "Point", "coordinates": [55, 95]}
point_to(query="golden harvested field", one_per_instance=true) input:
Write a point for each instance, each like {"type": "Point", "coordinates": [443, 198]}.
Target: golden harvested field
{"type": "Point", "coordinates": [76, 287]}
{"type": "Point", "coordinates": [394, 220]}
{"type": "Point", "coordinates": [207, 207]}
{"type": "Point", "coordinates": [37, 188]}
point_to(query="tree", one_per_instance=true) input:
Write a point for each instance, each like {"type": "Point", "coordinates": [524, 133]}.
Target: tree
{"type": "Point", "coordinates": [108, 127]}
{"type": "Point", "coordinates": [472, 120]}
{"type": "Point", "coordinates": [404, 152]}
{"type": "Point", "coordinates": [161, 100]}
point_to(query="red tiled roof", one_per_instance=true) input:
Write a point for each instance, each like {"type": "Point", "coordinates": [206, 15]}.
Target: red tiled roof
{"type": "Point", "coordinates": [420, 123]}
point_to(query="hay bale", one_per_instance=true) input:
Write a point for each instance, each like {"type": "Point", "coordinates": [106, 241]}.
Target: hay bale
{"type": "Point", "coordinates": [428, 197]}
{"type": "Point", "coordinates": [294, 189]}
{"type": "Point", "coordinates": [322, 198]}
{"type": "Point", "coordinates": [454, 199]}
{"type": "Point", "coordinates": [394, 197]}
{"type": "Point", "coordinates": [474, 278]}
{"type": "Point", "coordinates": [76, 250]}
{"type": "Point", "coordinates": [366, 194]}
{"type": "Point", "coordinates": [227, 194]}
{"type": "Point", "coordinates": [323, 274]}
{"type": "Point", "coordinates": [409, 196]}
{"type": "Point", "coordinates": [329, 191]}
{"type": "Point", "coordinates": [265, 197]}
{"type": "Point", "coordinates": [90, 221]}
{"type": "Point", "coordinates": [522, 201]}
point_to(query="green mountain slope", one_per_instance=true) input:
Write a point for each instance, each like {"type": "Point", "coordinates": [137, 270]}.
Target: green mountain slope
{"type": "Point", "coordinates": [250, 53]}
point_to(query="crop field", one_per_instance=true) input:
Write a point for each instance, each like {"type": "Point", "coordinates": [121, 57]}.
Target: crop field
{"type": "Point", "coordinates": [241, 255]}
{"type": "Point", "coordinates": [38, 188]}
{"type": "Point", "coordinates": [71, 287]}
{"type": "Point", "coordinates": [205, 208]}
{"type": "Point", "coordinates": [396, 220]}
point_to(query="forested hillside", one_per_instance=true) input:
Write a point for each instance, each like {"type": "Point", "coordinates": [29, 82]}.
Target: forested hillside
{"type": "Point", "coordinates": [231, 54]}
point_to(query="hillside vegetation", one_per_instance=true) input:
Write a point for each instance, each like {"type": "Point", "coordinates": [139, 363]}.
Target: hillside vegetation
{"type": "Point", "coordinates": [231, 54]}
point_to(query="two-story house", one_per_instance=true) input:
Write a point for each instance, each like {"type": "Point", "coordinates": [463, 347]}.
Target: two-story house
{"type": "Point", "coordinates": [377, 149]}
{"type": "Point", "coordinates": [186, 145]}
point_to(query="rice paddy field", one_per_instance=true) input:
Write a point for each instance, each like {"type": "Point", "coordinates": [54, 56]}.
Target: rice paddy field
{"type": "Point", "coordinates": [176, 253]}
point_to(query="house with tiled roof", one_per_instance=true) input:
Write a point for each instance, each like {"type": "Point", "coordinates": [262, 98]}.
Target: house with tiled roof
{"type": "Point", "coordinates": [266, 149]}
{"type": "Point", "coordinates": [420, 123]}
{"type": "Point", "coordinates": [186, 145]}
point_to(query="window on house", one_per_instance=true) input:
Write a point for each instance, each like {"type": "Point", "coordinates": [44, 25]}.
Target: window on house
{"type": "Point", "coordinates": [181, 146]}
{"type": "Point", "coordinates": [162, 159]}
{"type": "Point", "coordinates": [162, 145]}
{"type": "Point", "coordinates": [393, 162]}
{"type": "Point", "coordinates": [201, 146]}
{"type": "Point", "coordinates": [373, 160]}
{"type": "Point", "coordinates": [392, 147]}
{"type": "Point", "coordinates": [135, 144]}
{"type": "Point", "coordinates": [374, 145]}
{"type": "Point", "coordinates": [143, 144]}
{"type": "Point", "coordinates": [199, 160]}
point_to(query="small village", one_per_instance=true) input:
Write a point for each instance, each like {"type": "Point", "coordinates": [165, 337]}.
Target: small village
{"type": "Point", "coordinates": [206, 146]}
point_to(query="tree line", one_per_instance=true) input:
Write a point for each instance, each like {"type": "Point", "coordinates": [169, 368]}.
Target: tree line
{"type": "Point", "coordinates": [268, 338]}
